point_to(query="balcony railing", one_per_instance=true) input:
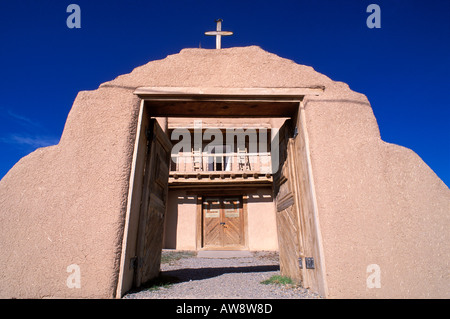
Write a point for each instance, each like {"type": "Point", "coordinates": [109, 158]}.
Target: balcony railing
{"type": "Point", "coordinates": [192, 163]}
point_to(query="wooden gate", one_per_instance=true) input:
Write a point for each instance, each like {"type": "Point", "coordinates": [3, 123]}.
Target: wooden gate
{"type": "Point", "coordinates": [223, 223]}
{"type": "Point", "coordinates": [287, 207]}
{"type": "Point", "coordinates": [153, 204]}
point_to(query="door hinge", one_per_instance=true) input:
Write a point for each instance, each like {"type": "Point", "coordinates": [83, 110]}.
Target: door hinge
{"type": "Point", "coordinates": [295, 132]}
{"type": "Point", "coordinates": [134, 262]}
{"type": "Point", "coordinates": [149, 136]}
{"type": "Point", "coordinates": [148, 133]}
{"type": "Point", "coordinates": [309, 262]}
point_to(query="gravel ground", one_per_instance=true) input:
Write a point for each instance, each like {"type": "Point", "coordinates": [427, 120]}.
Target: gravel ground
{"type": "Point", "coordinates": [220, 278]}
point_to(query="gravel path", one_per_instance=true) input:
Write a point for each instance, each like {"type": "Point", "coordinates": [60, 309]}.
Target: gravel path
{"type": "Point", "coordinates": [222, 278]}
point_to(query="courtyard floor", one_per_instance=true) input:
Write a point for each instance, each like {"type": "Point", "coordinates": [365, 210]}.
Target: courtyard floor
{"type": "Point", "coordinates": [219, 275]}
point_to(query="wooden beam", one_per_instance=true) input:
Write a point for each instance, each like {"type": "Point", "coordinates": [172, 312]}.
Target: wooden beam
{"type": "Point", "coordinates": [221, 108]}
{"type": "Point", "coordinates": [219, 184]}
{"type": "Point", "coordinates": [217, 92]}
{"type": "Point", "coordinates": [199, 221]}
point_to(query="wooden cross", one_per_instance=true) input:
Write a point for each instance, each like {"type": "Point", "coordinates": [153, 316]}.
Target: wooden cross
{"type": "Point", "coordinates": [218, 33]}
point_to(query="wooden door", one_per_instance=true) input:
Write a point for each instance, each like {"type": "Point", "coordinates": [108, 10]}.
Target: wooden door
{"type": "Point", "coordinates": [233, 222]}
{"type": "Point", "coordinates": [212, 219]}
{"type": "Point", "coordinates": [223, 223]}
{"type": "Point", "coordinates": [287, 216]}
{"type": "Point", "coordinates": [153, 204]}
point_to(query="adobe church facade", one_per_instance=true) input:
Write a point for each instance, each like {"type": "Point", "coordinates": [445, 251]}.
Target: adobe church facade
{"type": "Point", "coordinates": [351, 215]}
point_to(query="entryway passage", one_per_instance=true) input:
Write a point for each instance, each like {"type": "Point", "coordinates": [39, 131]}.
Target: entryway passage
{"type": "Point", "coordinates": [293, 191]}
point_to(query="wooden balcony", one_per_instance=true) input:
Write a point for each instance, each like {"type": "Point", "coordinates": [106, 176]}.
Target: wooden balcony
{"type": "Point", "coordinates": [240, 168]}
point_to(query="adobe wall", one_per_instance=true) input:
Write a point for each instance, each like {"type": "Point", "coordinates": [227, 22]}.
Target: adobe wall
{"type": "Point", "coordinates": [377, 203]}
{"type": "Point", "coordinates": [64, 204]}
{"type": "Point", "coordinates": [181, 220]}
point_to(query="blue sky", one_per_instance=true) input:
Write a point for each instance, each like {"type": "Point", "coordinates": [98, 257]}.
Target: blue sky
{"type": "Point", "coordinates": [403, 67]}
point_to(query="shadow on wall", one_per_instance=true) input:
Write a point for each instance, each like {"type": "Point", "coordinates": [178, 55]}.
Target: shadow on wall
{"type": "Point", "coordinates": [260, 198]}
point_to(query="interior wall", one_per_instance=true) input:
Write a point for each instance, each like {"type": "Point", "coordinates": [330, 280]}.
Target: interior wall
{"type": "Point", "coordinates": [262, 230]}
{"type": "Point", "coordinates": [180, 222]}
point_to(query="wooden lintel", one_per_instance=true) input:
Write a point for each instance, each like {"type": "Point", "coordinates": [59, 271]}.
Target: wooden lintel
{"type": "Point", "coordinates": [200, 192]}
{"type": "Point", "coordinates": [217, 92]}
{"type": "Point", "coordinates": [220, 186]}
